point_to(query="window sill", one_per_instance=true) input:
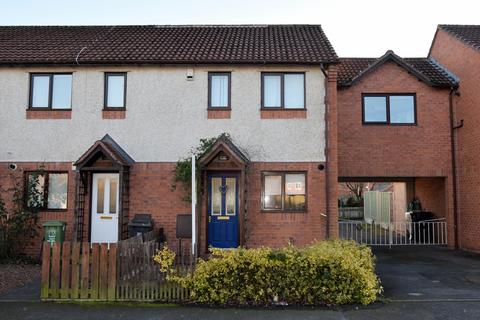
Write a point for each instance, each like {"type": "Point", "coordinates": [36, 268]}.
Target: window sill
{"type": "Point", "coordinates": [283, 114]}
{"type": "Point", "coordinates": [219, 113]}
{"type": "Point", "coordinates": [282, 211]}
{"type": "Point", "coordinates": [48, 114]}
{"type": "Point", "coordinates": [114, 114]}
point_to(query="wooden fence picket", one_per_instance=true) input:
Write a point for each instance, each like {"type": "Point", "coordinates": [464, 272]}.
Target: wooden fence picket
{"type": "Point", "coordinates": [46, 264]}
{"type": "Point", "coordinates": [122, 271]}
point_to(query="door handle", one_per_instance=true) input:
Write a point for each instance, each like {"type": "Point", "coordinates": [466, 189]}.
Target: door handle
{"type": "Point", "coordinates": [209, 218]}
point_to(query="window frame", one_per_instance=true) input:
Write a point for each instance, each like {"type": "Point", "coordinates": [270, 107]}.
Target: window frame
{"type": "Point", "coordinates": [50, 91]}
{"type": "Point", "coordinates": [105, 90]}
{"type": "Point", "coordinates": [283, 173]}
{"type": "Point", "coordinates": [387, 106]}
{"type": "Point", "coordinates": [282, 90]}
{"type": "Point", "coordinates": [45, 189]}
{"type": "Point", "coordinates": [219, 73]}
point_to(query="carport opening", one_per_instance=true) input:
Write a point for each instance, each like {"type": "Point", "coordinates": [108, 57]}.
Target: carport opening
{"type": "Point", "coordinates": [393, 208]}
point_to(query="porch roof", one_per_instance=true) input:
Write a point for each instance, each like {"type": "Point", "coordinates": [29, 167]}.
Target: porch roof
{"type": "Point", "coordinates": [224, 143]}
{"type": "Point", "coordinates": [108, 147]}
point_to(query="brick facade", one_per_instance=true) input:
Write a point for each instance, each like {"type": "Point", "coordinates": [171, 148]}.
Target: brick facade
{"type": "Point", "coordinates": [151, 192]}
{"type": "Point", "coordinates": [401, 152]}
{"type": "Point", "coordinates": [48, 114]}
{"type": "Point", "coordinates": [464, 61]}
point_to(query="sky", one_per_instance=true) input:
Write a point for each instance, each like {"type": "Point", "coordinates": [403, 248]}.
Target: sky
{"type": "Point", "coordinates": [362, 28]}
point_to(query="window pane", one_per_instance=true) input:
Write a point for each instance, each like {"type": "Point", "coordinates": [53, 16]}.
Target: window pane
{"type": "Point", "coordinates": [273, 192]}
{"type": "Point", "coordinates": [231, 196]}
{"type": "Point", "coordinates": [100, 195]}
{"type": "Point", "coordinates": [294, 91]}
{"type": "Point", "coordinates": [116, 90]}
{"type": "Point", "coordinates": [41, 89]}
{"type": "Point", "coordinates": [62, 91]}
{"type": "Point", "coordinates": [216, 196]}
{"type": "Point", "coordinates": [57, 190]}
{"type": "Point", "coordinates": [375, 109]}
{"type": "Point", "coordinates": [113, 196]}
{"type": "Point", "coordinates": [272, 91]}
{"type": "Point", "coordinates": [35, 190]}
{"type": "Point", "coordinates": [219, 91]}
{"type": "Point", "coordinates": [295, 191]}
{"type": "Point", "coordinates": [402, 109]}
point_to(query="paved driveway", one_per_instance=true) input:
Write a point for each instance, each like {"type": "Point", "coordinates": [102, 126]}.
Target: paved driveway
{"type": "Point", "coordinates": [428, 273]}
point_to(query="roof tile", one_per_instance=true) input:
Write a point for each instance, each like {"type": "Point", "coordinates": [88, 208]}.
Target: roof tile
{"type": "Point", "coordinates": [350, 68]}
{"type": "Point", "coordinates": [306, 44]}
{"type": "Point", "coordinates": [469, 34]}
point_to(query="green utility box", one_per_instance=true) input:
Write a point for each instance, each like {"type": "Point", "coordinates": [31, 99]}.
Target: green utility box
{"type": "Point", "coordinates": [54, 231]}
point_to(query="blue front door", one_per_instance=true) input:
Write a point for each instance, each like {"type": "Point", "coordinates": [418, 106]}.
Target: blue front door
{"type": "Point", "coordinates": [223, 211]}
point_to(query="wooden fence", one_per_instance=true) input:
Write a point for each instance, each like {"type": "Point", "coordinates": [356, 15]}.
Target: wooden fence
{"type": "Point", "coordinates": [124, 271]}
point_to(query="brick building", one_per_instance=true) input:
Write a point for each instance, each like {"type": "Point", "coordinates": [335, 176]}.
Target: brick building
{"type": "Point", "coordinates": [457, 47]}
{"type": "Point", "coordinates": [103, 119]}
{"type": "Point", "coordinates": [394, 126]}
{"type": "Point", "coordinates": [297, 119]}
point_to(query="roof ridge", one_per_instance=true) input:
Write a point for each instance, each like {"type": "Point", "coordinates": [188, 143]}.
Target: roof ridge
{"type": "Point", "coordinates": [353, 69]}
{"type": "Point", "coordinates": [165, 25]}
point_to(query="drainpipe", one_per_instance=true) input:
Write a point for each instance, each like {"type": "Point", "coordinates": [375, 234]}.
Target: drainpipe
{"type": "Point", "coordinates": [453, 127]}
{"type": "Point", "coordinates": [331, 172]}
{"type": "Point", "coordinates": [327, 184]}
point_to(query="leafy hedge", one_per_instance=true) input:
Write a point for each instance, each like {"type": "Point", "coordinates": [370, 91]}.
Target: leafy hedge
{"type": "Point", "coordinates": [328, 272]}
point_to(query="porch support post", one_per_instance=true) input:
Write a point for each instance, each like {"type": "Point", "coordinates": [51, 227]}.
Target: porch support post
{"type": "Point", "coordinates": [194, 205]}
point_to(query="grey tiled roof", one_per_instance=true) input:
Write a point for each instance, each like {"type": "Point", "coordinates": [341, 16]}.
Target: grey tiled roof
{"type": "Point", "coordinates": [292, 44]}
{"type": "Point", "coordinates": [426, 69]}
{"type": "Point", "coordinates": [469, 34]}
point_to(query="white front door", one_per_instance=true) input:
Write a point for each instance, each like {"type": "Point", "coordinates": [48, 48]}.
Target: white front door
{"type": "Point", "coordinates": [105, 208]}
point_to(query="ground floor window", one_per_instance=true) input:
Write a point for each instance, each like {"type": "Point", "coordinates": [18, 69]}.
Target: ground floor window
{"type": "Point", "coordinates": [284, 191]}
{"type": "Point", "coordinates": [46, 190]}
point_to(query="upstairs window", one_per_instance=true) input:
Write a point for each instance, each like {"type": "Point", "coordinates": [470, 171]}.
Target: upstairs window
{"type": "Point", "coordinates": [389, 109]}
{"type": "Point", "coordinates": [51, 91]}
{"type": "Point", "coordinates": [115, 90]}
{"type": "Point", "coordinates": [284, 191]}
{"type": "Point", "coordinates": [46, 190]}
{"type": "Point", "coordinates": [219, 90]}
{"type": "Point", "coordinates": [283, 90]}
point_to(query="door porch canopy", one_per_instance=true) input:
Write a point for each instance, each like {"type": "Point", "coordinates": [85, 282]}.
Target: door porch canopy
{"type": "Point", "coordinates": [104, 155]}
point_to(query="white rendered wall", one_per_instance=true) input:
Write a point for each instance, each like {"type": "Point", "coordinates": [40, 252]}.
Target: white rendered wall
{"type": "Point", "coordinates": [166, 116]}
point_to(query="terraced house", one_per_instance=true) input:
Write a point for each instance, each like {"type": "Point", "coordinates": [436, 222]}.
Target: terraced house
{"type": "Point", "coordinates": [106, 112]}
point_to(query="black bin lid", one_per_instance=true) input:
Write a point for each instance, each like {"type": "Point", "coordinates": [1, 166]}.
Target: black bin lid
{"type": "Point", "coordinates": [141, 220]}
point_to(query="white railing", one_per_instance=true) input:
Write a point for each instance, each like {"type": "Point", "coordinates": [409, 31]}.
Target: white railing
{"type": "Point", "coordinates": [428, 232]}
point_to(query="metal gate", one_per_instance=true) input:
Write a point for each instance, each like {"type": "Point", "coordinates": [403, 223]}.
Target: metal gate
{"type": "Point", "coordinates": [383, 226]}
{"type": "Point", "coordinates": [429, 232]}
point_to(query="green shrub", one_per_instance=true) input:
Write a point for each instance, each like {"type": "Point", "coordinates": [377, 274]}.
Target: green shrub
{"type": "Point", "coordinates": [328, 272]}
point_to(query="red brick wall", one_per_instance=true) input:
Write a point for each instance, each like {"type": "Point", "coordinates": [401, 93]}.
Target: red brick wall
{"type": "Point", "coordinates": [151, 192]}
{"type": "Point", "coordinates": [464, 61]}
{"type": "Point", "coordinates": [431, 193]}
{"type": "Point", "coordinates": [382, 151]}
{"type": "Point", "coordinates": [277, 229]}
{"type": "Point", "coordinates": [32, 246]}
{"type": "Point", "coordinates": [403, 151]}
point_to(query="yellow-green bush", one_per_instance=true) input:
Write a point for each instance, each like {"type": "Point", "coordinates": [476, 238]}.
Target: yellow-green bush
{"type": "Point", "coordinates": [328, 272]}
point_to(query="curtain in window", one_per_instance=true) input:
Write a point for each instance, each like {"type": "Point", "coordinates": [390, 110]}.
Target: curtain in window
{"type": "Point", "coordinates": [57, 190]}
{"type": "Point", "coordinates": [62, 91]}
{"type": "Point", "coordinates": [115, 95]}
{"type": "Point", "coordinates": [272, 91]}
{"type": "Point", "coordinates": [41, 89]}
{"type": "Point", "coordinates": [294, 91]}
{"type": "Point", "coordinates": [219, 91]}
